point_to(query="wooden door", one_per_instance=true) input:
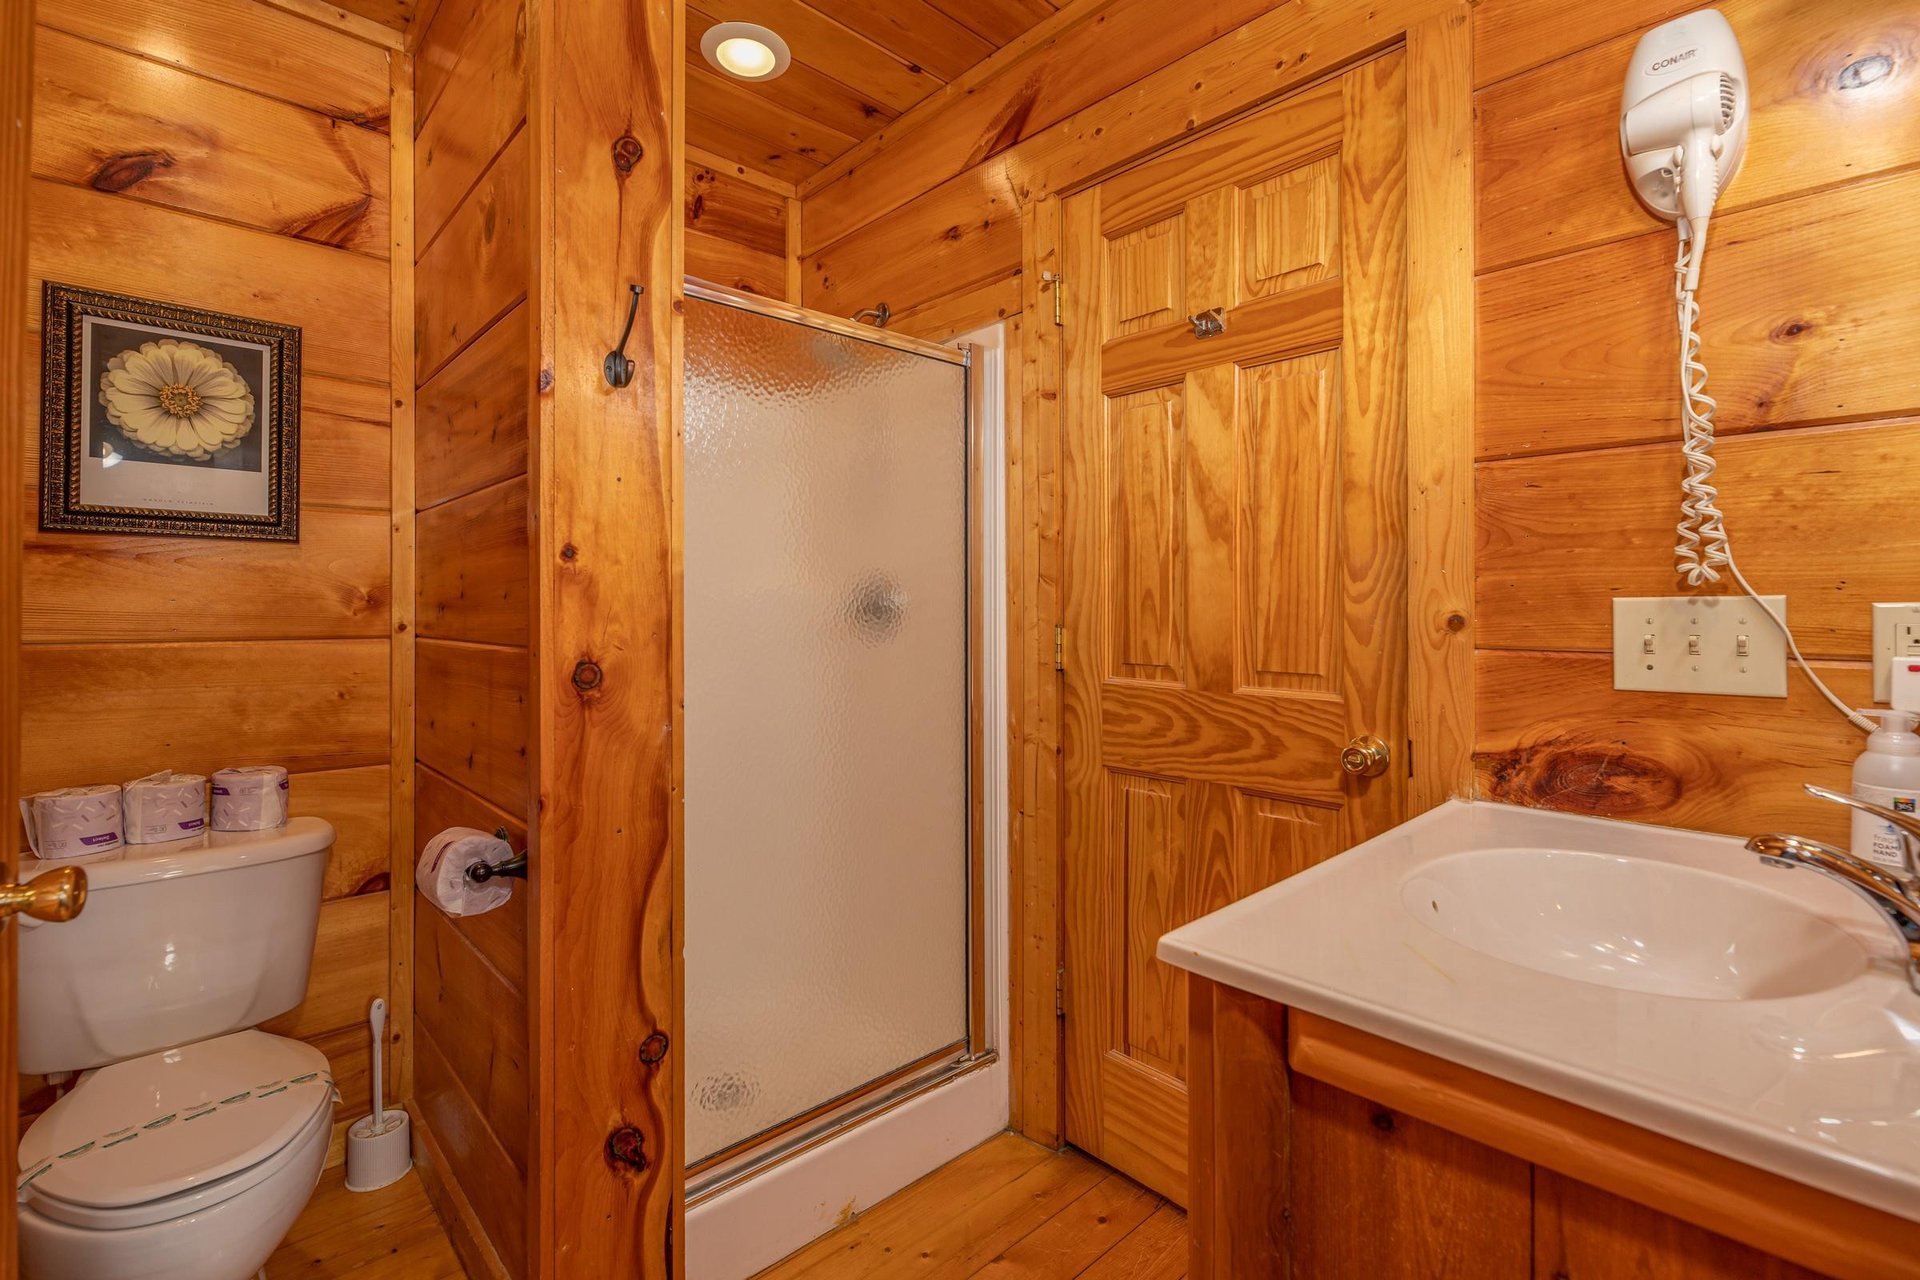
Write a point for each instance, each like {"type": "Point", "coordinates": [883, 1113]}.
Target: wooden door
{"type": "Point", "coordinates": [1233, 512]}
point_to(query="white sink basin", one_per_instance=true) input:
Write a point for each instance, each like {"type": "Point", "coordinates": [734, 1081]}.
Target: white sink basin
{"type": "Point", "coordinates": [1631, 923]}
{"type": "Point", "coordinates": [1666, 978]}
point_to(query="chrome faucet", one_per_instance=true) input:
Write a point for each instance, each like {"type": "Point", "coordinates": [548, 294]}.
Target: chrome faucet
{"type": "Point", "coordinates": [1894, 894]}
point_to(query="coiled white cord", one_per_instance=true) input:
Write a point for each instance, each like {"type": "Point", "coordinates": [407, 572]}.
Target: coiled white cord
{"type": "Point", "coordinates": [1703, 549]}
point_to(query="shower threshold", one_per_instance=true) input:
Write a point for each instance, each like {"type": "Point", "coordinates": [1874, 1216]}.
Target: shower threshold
{"type": "Point", "coordinates": [729, 1167]}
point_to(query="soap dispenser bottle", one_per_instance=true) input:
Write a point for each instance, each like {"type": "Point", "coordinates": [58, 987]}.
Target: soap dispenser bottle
{"type": "Point", "coordinates": [1887, 774]}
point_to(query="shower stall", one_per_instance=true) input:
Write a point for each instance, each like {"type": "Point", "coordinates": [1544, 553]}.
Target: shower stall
{"type": "Point", "coordinates": [836, 748]}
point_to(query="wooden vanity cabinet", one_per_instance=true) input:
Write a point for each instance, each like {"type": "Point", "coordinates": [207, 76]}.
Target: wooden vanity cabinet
{"type": "Point", "coordinates": [1320, 1152]}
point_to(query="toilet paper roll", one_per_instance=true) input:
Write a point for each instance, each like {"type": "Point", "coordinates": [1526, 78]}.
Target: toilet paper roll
{"type": "Point", "coordinates": [442, 871]}
{"type": "Point", "coordinates": [164, 806]}
{"type": "Point", "coordinates": [73, 821]}
{"type": "Point", "coordinates": [250, 799]}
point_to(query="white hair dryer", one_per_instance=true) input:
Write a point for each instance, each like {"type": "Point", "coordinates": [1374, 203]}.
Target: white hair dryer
{"type": "Point", "coordinates": [1683, 122]}
{"type": "Point", "coordinates": [1683, 132]}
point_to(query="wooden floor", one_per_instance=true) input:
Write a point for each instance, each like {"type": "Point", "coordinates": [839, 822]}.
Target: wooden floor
{"type": "Point", "coordinates": [377, 1235]}
{"type": "Point", "coordinates": [1005, 1209]}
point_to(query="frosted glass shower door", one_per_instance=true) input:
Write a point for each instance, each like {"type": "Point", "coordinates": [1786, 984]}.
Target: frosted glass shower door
{"type": "Point", "coordinates": [827, 842]}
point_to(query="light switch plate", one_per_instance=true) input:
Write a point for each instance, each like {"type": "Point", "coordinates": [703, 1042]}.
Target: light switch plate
{"type": "Point", "coordinates": [1896, 631]}
{"type": "Point", "coordinates": [1693, 644]}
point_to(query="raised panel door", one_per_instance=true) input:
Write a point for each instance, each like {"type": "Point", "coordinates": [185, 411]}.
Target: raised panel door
{"type": "Point", "coordinates": [1234, 523]}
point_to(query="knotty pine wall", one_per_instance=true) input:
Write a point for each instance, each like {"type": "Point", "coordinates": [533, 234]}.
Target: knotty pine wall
{"type": "Point", "coordinates": [225, 154]}
{"type": "Point", "coordinates": [1812, 340]}
{"type": "Point", "coordinates": [1812, 336]}
{"type": "Point", "coordinates": [738, 228]}
{"type": "Point", "coordinates": [473, 210]}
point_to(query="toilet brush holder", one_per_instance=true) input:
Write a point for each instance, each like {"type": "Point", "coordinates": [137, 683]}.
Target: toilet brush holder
{"type": "Point", "coordinates": [380, 1145]}
{"type": "Point", "coordinates": [379, 1150]}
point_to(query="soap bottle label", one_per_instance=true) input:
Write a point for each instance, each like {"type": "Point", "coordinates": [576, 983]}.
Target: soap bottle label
{"type": "Point", "coordinates": [1874, 838]}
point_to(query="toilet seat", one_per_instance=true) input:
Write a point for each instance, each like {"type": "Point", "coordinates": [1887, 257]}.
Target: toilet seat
{"type": "Point", "coordinates": [176, 1132]}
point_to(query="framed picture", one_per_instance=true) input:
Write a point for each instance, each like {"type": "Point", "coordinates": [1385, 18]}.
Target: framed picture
{"type": "Point", "coordinates": [165, 419]}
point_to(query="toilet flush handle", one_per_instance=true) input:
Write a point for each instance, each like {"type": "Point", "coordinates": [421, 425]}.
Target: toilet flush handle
{"type": "Point", "coordinates": [53, 896]}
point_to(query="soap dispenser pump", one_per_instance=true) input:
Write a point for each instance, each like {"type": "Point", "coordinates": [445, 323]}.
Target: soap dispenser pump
{"type": "Point", "coordinates": [1887, 774]}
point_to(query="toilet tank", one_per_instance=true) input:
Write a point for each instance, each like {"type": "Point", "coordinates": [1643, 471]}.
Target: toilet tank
{"type": "Point", "coordinates": [178, 942]}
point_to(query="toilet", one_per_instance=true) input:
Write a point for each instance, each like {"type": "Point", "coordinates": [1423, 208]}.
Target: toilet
{"type": "Point", "coordinates": [191, 1141]}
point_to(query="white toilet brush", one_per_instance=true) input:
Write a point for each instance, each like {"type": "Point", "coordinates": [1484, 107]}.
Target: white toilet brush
{"type": "Point", "coordinates": [379, 1146]}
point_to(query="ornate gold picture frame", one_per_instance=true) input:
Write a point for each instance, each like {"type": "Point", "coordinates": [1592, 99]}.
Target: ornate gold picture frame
{"type": "Point", "coordinates": [164, 419]}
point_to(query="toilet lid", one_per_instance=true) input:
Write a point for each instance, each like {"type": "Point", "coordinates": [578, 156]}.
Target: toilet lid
{"type": "Point", "coordinates": [160, 1125]}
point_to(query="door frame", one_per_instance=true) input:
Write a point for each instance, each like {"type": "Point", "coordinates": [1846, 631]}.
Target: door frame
{"type": "Point", "coordinates": [1440, 400]}
{"type": "Point", "coordinates": [16, 111]}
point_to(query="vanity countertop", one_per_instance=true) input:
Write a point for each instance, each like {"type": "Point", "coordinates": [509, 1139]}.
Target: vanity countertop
{"type": "Point", "coordinates": [1795, 1045]}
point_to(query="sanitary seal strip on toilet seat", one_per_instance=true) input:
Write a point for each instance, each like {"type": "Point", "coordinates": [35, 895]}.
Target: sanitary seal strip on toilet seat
{"type": "Point", "coordinates": [146, 1129]}
{"type": "Point", "coordinates": [118, 1137]}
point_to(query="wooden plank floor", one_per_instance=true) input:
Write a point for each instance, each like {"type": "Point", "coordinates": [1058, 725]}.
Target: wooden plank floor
{"type": "Point", "coordinates": [389, 1234]}
{"type": "Point", "coordinates": [1006, 1209]}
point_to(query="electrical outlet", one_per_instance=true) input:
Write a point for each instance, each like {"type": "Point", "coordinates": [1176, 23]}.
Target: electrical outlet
{"type": "Point", "coordinates": [1699, 644]}
{"type": "Point", "coordinates": [1896, 634]}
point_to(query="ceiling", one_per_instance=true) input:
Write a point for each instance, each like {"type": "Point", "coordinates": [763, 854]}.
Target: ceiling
{"type": "Point", "coordinates": [856, 65]}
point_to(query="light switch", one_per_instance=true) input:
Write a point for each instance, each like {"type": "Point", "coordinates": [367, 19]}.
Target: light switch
{"type": "Point", "coordinates": [1699, 644]}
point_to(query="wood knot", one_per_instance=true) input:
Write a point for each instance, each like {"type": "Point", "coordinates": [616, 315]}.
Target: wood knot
{"type": "Point", "coordinates": [1864, 71]}
{"type": "Point", "coordinates": [1383, 1121]}
{"type": "Point", "coordinates": [546, 380]}
{"type": "Point", "coordinates": [1456, 622]}
{"type": "Point", "coordinates": [654, 1048]}
{"type": "Point", "coordinates": [587, 675]}
{"type": "Point", "coordinates": [569, 551]}
{"type": "Point", "coordinates": [1791, 329]}
{"type": "Point", "coordinates": [626, 153]}
{"type": "Point", "coordinates": [627, 1149]}
{"type": "Point", "coordinates": [128, 169]}
{"type": "Point", "coordinates": [1600, 777]}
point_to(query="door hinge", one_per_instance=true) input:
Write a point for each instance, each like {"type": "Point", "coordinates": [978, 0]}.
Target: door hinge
{"type": "Point", "coordinates": [1059, 287]}
{"type": "Point", "coordinates": [1060, 992]}
{"type": "Point", "coordinates": [1059, 647]}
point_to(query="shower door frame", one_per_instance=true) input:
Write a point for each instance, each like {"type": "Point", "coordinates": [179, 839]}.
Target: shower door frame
{"type": "Point", "coordinates": [727, 1168]}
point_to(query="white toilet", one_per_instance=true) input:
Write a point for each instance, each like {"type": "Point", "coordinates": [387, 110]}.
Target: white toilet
{"type": "Point", "coordinates": [192, 1142]}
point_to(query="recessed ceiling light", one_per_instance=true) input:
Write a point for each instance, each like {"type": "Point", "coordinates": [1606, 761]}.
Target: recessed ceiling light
{"type": "Point", "coordinates": [745, 50]}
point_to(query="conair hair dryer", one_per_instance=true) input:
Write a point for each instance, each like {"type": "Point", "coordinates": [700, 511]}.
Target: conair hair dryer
{"type": "Point", "coordinates": [1683, 121]}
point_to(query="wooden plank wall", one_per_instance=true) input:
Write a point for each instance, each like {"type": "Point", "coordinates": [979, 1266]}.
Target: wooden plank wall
{"type": "Point", "coordinates": [473, 208]}
{"type": "Point", "coordinates": [225, 154]}
{"type": "Point", "coordinates": [1811, 336]}
{"type": "Point", "coordinates": [1812, 340]}
{"type": "Point", "coordinates": [739, 227]}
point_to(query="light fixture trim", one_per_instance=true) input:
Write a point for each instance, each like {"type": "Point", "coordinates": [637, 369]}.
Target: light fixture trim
{"type": "Point", "coordinates": [725, 33]}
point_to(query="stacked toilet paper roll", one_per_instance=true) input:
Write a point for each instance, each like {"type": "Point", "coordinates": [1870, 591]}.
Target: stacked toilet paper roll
{"type": "Point", "coordinates": [250, 799]}
{"type": "Point", "coordinates": [442, 871]}
{"type": "Point", "coordinates": [165, 806]}
{"type": "Point", "coordinates": [73, 821]}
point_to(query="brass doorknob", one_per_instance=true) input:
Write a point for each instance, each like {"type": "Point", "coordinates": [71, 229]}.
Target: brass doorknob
{"type": "Point", "coordinates": [54, 896]}
{"type": "Point", "coordinates": [1365, 757]}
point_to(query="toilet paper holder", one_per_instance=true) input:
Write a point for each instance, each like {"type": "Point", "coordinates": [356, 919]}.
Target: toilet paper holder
{"type": "Point", "coordinates": [513, 868]}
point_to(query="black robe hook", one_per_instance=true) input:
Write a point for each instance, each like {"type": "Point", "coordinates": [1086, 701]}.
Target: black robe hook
{"type": "Point", "coordinates": [618, 366]}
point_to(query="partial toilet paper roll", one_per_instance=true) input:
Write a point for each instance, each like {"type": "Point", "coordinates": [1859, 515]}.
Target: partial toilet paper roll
{"type": "Point", "coordinates": [73, 821]}
{"type": "Point", "coordinates": [165, 806]}
{"type": "Point", "coordinates": [251, 799]}
{"type": "Point", "coordinates": [442, 872]}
